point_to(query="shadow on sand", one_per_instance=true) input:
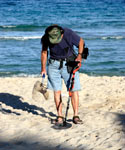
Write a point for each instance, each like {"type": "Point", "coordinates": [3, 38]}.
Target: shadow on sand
{"type": "Point", "coordinates": [27, 143]}
{"type": "Point", "coordinates": [121, 119]}
{"type": "Point", "coordinates": [15, 102]}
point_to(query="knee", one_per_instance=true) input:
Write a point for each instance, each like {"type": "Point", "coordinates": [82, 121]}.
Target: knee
{"type": "Point", "coordinates": [57, 93]}
{"type": "Point", "coordinates": [75, 94]}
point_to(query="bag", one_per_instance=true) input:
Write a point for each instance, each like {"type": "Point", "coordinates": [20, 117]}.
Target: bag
{"type": "Point", "coordinates": [70, 63]}
{"type": "Point", "coordinates": [71, 60]}
{"type": "Point", "coordinates": [85, 53]}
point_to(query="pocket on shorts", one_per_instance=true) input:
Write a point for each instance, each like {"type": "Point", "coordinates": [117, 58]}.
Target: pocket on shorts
{"type": "Point", "coordinates": [53, 64]}
{"type": "Point", "coordinates": [51, 61]}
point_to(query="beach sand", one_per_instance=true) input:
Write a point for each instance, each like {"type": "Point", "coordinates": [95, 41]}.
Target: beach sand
{"type": "Point", "coordinates": [25, 122]}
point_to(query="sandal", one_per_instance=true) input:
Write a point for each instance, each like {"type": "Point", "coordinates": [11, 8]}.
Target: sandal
{"type": "Point", "coordinates": [76, 120]}
{"type": "Point", "coordinates": [59, 122]}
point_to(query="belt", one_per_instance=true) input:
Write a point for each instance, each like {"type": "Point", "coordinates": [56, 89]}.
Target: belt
{"type": "Point", "coordinates": [61, 59]}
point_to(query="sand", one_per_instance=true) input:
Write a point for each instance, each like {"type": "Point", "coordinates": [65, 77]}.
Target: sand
{"type": "Point", "coordinates": [25, 122]}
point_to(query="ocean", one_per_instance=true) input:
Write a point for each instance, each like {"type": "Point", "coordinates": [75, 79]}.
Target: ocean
{"type": "Point", "coordinates": [101, 23]}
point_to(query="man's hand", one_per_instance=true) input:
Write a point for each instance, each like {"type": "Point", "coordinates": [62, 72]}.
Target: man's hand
{"type": "Point", "coordinates": [79, 58]}
{"type": "Point", "coordinates": [43, 61]}
{"type": "Point", "coordinates": [80, 50]}
{"type": "Point", "coordinates": [43, 72]}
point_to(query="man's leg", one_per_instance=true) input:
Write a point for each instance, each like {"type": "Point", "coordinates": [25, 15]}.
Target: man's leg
{"type": "Point", "coordinates": [58, 102]}
{"type": "Point", "coordinates": [75, 105]}
{"type": "Point", "coordinates": [75, 102]}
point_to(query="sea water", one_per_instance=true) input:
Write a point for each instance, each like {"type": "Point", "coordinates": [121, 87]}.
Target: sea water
{"type": "Point", "coordinates": [101, 23]}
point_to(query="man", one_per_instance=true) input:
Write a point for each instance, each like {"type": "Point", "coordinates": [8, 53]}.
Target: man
{"type": "Point", "coordinates": [60, 42]}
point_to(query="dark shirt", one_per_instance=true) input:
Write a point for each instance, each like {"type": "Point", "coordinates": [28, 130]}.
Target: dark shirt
{"type": "Point", "coordinates": [64, 49]}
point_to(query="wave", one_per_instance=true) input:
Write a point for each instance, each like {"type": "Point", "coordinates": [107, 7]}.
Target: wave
{"type": "Point", "coordinates": [7, 26]}
{"type": "Point", "coordinates": [17, 74]}
{"type": "Point", "coordinates": [105, 38]}
{"type": "Point", "coordinates": [22, 27]}
{"type": "Point", "coordinates": [26, 75]}
{"type": "Point", "coordinates": [113, 37]}
{"type": "Point", "coordinates": [96, 72]}
{"type": "Point", "coordinates": [19, 37]}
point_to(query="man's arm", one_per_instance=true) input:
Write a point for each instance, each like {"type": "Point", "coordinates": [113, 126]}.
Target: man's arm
{"type": "Point", "coordinates": [43, 60]}
{"type": "Point", "coordinates": [80, 50]}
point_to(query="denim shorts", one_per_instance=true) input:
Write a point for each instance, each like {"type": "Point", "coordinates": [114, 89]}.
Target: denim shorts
{"type": "Point", "coordinates": [57, 75]}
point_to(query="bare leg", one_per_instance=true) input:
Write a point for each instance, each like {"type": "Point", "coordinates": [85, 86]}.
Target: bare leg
{"type": "Point", "coordinates": [75, 102]}
{"type": "Point", "coordinates": [58, 102]}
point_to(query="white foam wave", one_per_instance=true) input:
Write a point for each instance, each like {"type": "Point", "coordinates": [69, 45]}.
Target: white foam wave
{"type": "Point", "coordinates": [39, 37]}
{"type": "Point", "coordinates": [9, 74]}
{"type": "Point", "coordinates": [27, 75]}
{"type": "Point", "coordinates": [19, 37]}
{"type": "Point", "coordinates": [113, 37]}
{"type": "Point", "coordinates": [4, 72]}
{"type": "Point", "coordinates": [5, 26]}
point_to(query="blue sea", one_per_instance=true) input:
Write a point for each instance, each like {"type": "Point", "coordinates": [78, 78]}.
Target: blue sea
{"type": "Point", "coordinates": [101, 23]}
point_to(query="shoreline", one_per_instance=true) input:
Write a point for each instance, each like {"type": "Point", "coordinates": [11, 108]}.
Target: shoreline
{"type": "Point", "coordinates": [25, 122]}
{"type": "Point", "coordinates": [39, 76]}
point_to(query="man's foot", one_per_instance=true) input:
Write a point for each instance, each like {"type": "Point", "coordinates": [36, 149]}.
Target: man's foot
{"type": "Point", "coordinates": [76, 120]}
{"type": "Point", "coordinates": [59, 121]}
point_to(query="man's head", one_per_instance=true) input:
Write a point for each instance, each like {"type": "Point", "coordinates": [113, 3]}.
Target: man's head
{"type": "Point", "coordinates": [54, 33]}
